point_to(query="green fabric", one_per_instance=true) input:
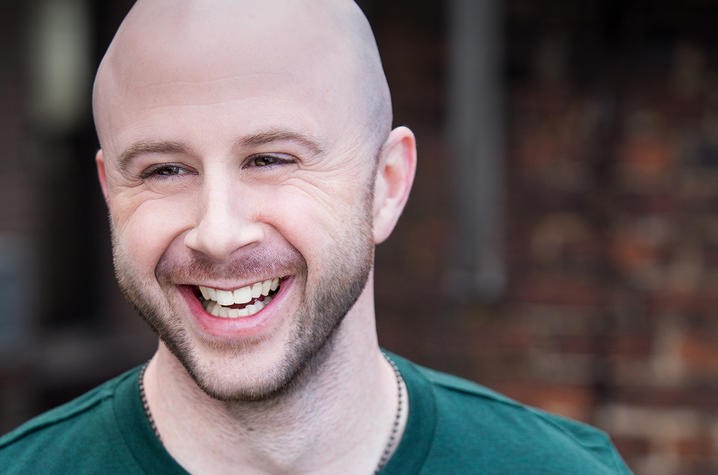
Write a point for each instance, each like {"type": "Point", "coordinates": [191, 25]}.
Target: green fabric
{"type": "Point", "coordinates": [104, 431]}
{"type": "Point", "coordinates": [458, 427]}
{"type": "Point", "coordinates": [454, 427]}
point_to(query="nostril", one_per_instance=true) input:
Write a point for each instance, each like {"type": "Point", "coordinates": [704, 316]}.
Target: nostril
{"type": "Point", "coordinates": [220, 238]}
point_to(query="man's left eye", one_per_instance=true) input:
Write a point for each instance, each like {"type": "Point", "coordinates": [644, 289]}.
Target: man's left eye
{"type": "Point", "coordinates": [269, 161]}
{"type": "Point", "coordinates": [264, 161]}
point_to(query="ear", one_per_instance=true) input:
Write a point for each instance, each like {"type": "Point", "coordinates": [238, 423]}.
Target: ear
{"type": "Point", "coordinates": [394, 176]}
{"type": "Point", "coordinates": [101, 174]}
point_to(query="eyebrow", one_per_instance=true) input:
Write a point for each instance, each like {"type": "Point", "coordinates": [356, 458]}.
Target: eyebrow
{"type": "Point", "coordinates": [144, 147]}
{"type": "Point", "coordinates": [260, 138]}
{"type": "Point", "coordinates": [280, 135]}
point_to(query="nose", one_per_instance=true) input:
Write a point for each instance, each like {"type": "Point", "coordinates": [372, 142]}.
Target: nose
{"type": "Point", "coordinates": [225, 221]}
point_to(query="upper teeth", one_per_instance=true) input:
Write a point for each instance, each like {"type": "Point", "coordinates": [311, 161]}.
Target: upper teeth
{"type": "Point", "coordinates": [241, 295]}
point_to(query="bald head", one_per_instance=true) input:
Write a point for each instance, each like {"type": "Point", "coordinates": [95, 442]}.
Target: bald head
{"type": "Point", "coordinates": [169, 52]}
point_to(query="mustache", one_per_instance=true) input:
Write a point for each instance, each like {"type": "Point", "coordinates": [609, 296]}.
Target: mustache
{"type": "Point", "coordinates": [254, 263]}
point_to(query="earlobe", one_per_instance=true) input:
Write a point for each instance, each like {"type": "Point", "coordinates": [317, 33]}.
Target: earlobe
{"type": "Point", "coordinates": [101, 173]}
{"type": "Point", "coordinates": [394, 177]}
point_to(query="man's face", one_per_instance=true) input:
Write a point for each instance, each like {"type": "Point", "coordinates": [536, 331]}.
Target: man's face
{"type": "Point", "coordinates": [219, 181]}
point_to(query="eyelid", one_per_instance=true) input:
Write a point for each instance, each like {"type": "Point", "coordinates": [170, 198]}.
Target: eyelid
{"type": "Point", "coordinates": [151, 171]}
{"type": "Point", "coordinates": [279, 158]}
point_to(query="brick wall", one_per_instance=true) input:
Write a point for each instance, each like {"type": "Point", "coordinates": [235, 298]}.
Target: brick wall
{"type": "Point", "coordinates": [612, 190]}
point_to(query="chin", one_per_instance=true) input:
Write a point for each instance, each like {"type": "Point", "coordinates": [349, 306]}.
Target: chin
{"type": "Point", "coordinates": [253, 373]}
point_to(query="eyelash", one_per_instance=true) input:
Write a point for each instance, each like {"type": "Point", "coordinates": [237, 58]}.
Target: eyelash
{"type": "Point", "coordinates": [161, 171]}
{"type": "Point", "coordinates": [171, 170]}
{"type": "Point", "coordinates": [273, 161]}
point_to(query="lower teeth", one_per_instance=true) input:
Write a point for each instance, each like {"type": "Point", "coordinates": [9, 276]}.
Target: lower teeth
{"type": "Point", "coordinates": [218, 310]}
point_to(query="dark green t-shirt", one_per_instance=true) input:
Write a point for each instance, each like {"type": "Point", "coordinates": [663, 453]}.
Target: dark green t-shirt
{"type": "Point", "coordinates": [454, 427]}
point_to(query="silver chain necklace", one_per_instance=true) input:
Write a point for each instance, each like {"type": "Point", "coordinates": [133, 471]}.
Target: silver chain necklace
{"type": "Point", "coordinates": [388, 449]}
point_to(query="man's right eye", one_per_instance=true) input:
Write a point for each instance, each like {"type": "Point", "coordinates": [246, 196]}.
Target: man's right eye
{"type": "Point", "coordinates": [164, 171]}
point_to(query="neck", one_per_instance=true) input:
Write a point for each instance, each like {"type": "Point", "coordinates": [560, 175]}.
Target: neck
{"type": "Point", "coordinates": [322, 427]}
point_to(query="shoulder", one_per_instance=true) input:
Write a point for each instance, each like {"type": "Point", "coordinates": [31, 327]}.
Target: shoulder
{"type": "Point", "coordinates": [481, 426]}
{"type": "Point", "coordinates": [455, 393]}
{"type": "Point", "coordinates": [55, 441]}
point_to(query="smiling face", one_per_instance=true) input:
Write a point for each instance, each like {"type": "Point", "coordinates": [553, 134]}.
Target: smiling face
{"type": "Point", "coordinates": [238, 163]}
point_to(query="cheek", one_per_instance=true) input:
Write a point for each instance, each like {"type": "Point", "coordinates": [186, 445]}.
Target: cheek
{"type": "Point", "coordinates": [302, 222]}
{"type": "Point", "coordinates": [316, 226]}
{"type": "Point", "coordinates": [146, 231]}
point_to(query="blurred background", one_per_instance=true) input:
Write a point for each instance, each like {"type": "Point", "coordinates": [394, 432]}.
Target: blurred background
{"type": "Point", "coordinates": [560, 245]}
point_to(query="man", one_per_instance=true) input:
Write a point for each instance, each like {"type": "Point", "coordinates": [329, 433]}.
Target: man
{"type": "Point", "coordinates": [249, 167]}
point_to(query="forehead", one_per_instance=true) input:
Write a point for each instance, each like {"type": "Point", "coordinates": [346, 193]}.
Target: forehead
{"type": "Point", "coordinates": [228, 106]}
{"type": "Point", "coordinates": [187, 72]}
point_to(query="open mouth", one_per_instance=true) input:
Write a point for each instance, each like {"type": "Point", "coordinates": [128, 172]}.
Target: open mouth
{"type": "Point", "coordinates": [238, 303]}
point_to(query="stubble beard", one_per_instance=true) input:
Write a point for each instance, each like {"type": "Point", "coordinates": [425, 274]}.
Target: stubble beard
{"type": "Point", "coordinates": [315, 321]}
